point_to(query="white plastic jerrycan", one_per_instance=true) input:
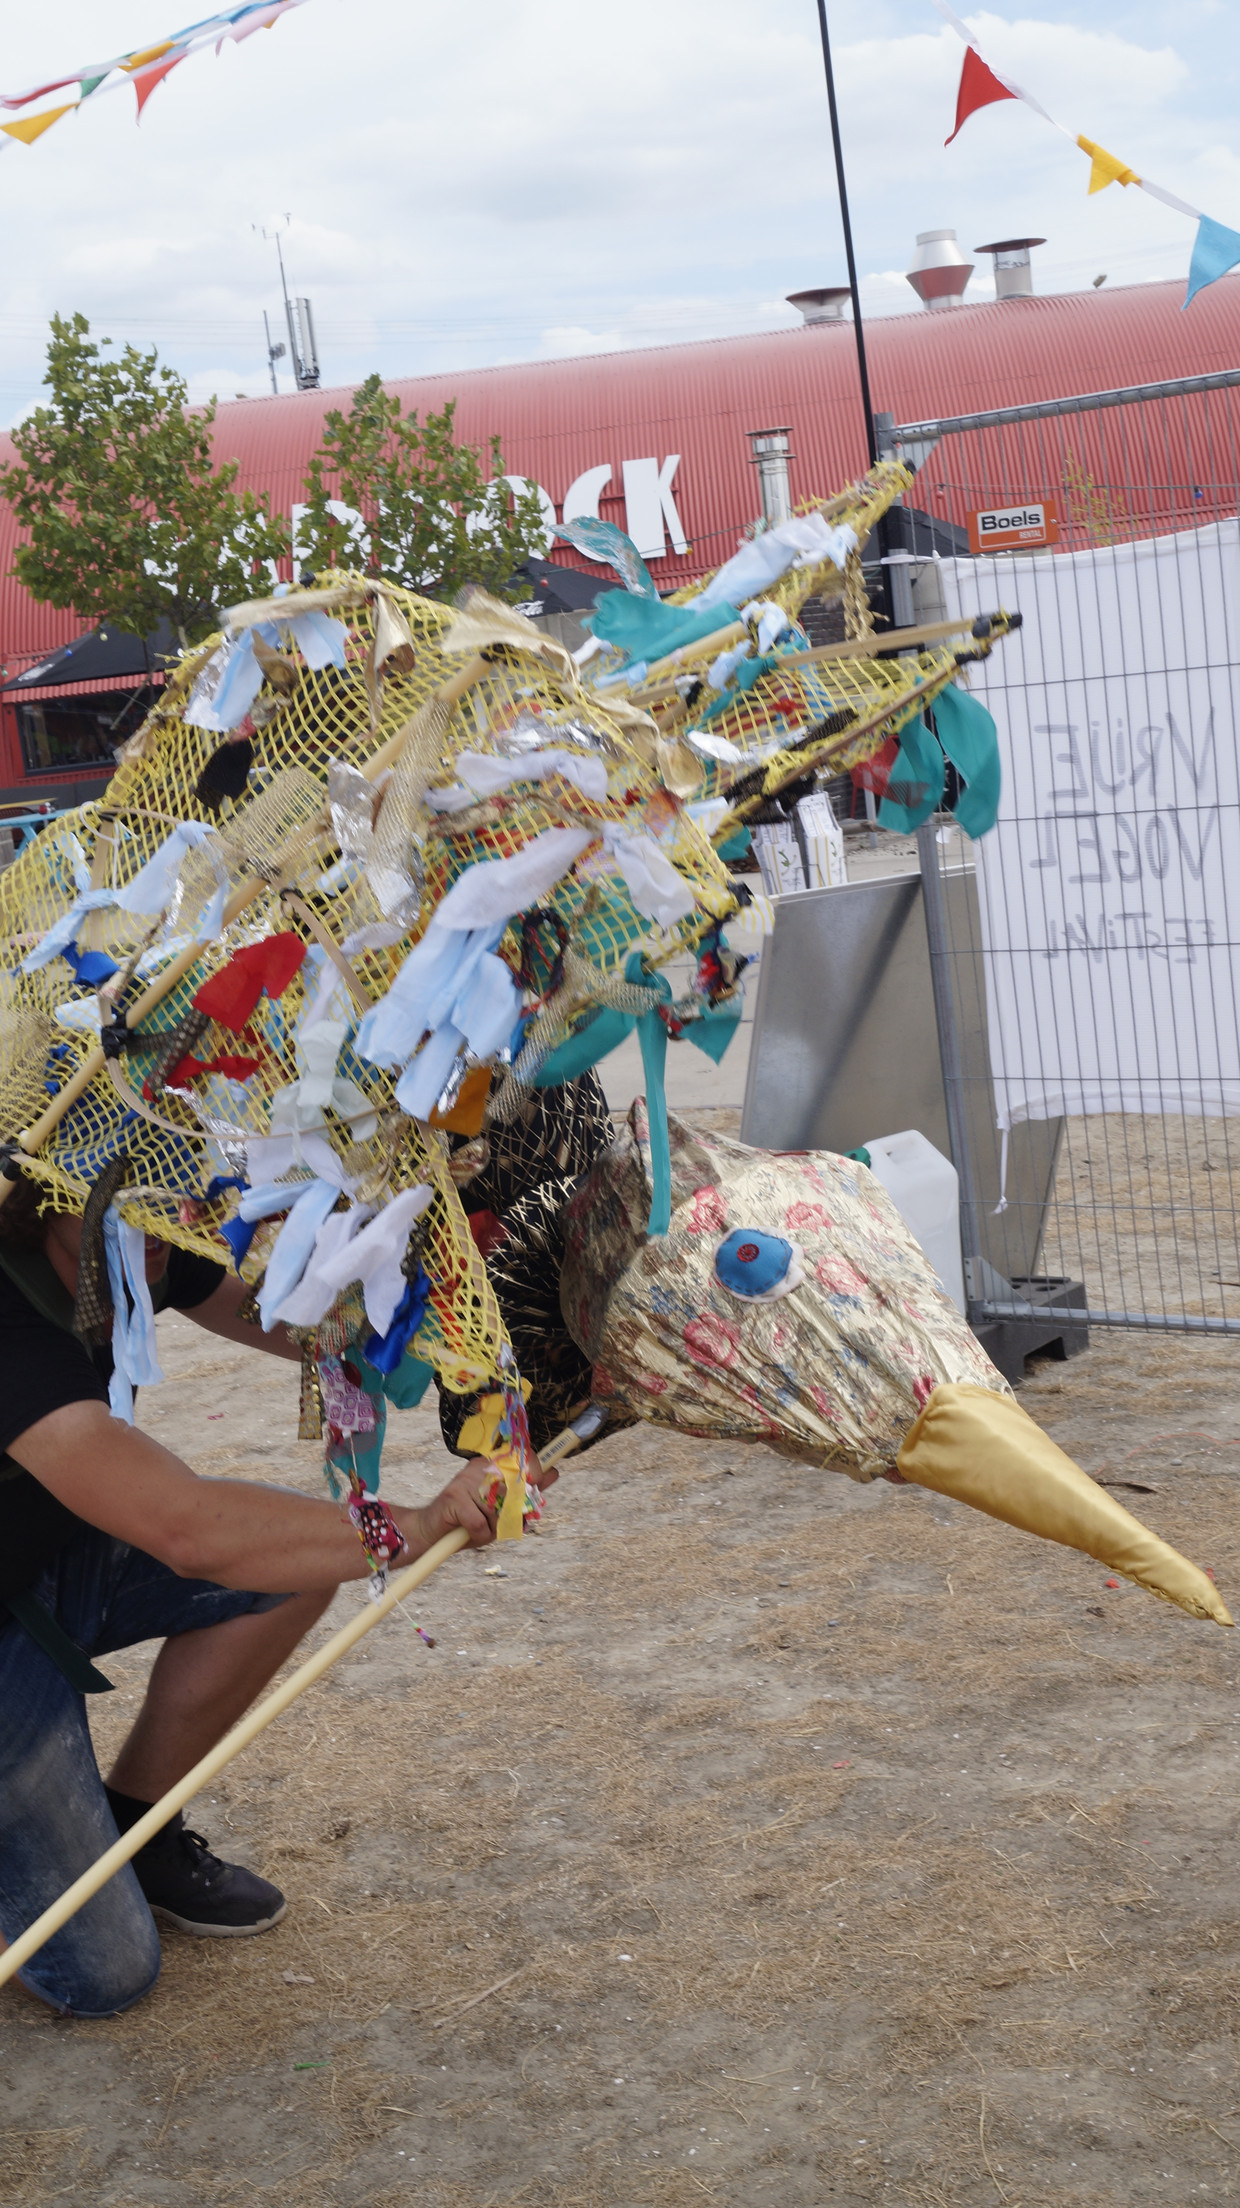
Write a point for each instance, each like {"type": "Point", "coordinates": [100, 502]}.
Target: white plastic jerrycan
{"type": "Point", "coordinates": [924, 1188]}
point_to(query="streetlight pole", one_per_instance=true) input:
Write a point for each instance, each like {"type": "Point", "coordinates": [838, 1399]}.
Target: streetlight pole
{"type": "Point", "coordinates": [858, 331]}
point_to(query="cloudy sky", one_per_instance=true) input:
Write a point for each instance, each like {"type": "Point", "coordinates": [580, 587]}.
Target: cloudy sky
{"type": "Point", "coordinates": [525, 179]}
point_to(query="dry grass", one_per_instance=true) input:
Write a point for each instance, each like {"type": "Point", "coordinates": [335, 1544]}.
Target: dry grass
{"type": "Point", "coordinates": [1146, 1211]}
{"type": "Point", "coordinates": [871, 1852]}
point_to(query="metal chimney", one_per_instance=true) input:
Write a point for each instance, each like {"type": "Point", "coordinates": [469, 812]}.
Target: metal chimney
{"type": "Point", "coordinates": [820, 306]}
{"type": "Point", "coordinates": [940, 271]}
{"type": "Point", "coordinates": [1013, 274]}
{"type": "Point", "coordinates": [772, 451]}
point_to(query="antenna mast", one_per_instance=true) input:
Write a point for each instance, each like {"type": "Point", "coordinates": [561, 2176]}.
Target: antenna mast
{"type": "Point", "coordinates": [299, 321]}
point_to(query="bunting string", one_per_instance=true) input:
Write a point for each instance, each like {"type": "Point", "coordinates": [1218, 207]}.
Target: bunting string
{"type": "Point", "coordinates": [1215, 248]}
{"type": "Point", "coordinates": [144, 68]}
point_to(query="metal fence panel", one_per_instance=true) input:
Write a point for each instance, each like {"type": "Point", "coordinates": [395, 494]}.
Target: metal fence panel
{"type": "Point", "coordinates": [1103, 952]}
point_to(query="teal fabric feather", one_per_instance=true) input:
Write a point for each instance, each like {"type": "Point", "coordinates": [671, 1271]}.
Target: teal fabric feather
{"type": "Point", "coordinates": [916, 779]}
{"type": "Point", "coordinates": [647, 629]}
{"type": "Point", "coordinates": [969, 737]}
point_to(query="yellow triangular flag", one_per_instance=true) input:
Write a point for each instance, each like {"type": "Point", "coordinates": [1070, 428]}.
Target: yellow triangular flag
{"type": "Point", "coordinates": [148, 53]}
{"type": "Point", "coordinates": [1106, 169]}
{"type": "Point", "coordinates": [31, 127]}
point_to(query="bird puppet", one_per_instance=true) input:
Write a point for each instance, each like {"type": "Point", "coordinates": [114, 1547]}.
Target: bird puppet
{"type": "Point", "coordinates": [318, 988]}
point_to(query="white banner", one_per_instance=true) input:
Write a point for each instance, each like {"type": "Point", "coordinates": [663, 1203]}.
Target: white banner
{"type": "Point", "coordinates": [1111, 950]}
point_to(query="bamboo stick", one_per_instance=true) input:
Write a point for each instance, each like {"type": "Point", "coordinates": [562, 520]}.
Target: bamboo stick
{"type": "Point", "coordinates": [879, 643]}
{"type": "Point", "coordinates": [675, 663]}
{"type": "Point", "coordinates": [255, 1722]}
{"type": "Point", "coordinates": [857, 647]}
{"type": "Point", "coordinates": [449, 693]}
{"type": "Point", "coordinates": [807, 762]}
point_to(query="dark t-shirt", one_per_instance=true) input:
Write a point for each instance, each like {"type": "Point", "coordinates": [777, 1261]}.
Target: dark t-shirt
{"type": "Point", "coordinates": [42, 1368]}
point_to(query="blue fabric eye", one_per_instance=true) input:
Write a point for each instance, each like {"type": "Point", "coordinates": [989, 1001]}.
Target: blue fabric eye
{"type": "Point", "coordinates": [749, 1263]}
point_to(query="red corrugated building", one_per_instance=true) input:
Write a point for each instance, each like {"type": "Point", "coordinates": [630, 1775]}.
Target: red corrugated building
{"type": "Point", "coordinates": [658, 440]}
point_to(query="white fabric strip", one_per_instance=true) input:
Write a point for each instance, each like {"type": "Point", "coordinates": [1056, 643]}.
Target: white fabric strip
{"type": "Point", "coordinates": [376, 1254]}
{"type": "Point", "coordinates": [483, 774]}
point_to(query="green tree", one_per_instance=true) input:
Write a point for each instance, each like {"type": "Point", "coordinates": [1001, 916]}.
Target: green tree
{"type": "Point", "coordinates": [430, 519]}
{"type": "Point", "coordinates": [128, 518]}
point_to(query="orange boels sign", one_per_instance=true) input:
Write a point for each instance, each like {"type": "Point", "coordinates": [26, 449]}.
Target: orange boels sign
{"type": "Point", "coordinates": [1023, 522]}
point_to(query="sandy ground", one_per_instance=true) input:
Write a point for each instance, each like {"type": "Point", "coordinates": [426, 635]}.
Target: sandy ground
{"type": "Point", "coordinates": [1146, 1212]}
{"type": "Point", "coordinates": [849, 1848]}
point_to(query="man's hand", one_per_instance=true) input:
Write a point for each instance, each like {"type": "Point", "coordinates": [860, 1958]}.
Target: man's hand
{"type": "Point", "coordinates": [458, 1504]}
{"type": "Point", "coordinates": [537, 1477]}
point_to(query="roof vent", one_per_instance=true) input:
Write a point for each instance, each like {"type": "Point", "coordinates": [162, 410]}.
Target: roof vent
{"type": "Point", "coordinates": [820, 306]}
{"type": "Point", "coordinates": [940, 271]}
{"type": "Point", "coordinates": [772, 450]}
{"type": "Point", "coordinates": [1013, 274]}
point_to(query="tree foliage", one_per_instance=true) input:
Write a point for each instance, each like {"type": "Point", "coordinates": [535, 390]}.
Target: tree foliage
{"type": "Point", "coordinates": [129, 520]}
{"type": "Point", "coordinates": [430, 518]}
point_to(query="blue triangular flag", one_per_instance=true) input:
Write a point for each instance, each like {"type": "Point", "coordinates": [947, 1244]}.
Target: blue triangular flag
{"type": "Point", "coordinates": [1215, 250]}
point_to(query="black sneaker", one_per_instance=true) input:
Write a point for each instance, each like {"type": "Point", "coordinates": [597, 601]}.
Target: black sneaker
{"type": "Point", "coordinates": [188, 1886]}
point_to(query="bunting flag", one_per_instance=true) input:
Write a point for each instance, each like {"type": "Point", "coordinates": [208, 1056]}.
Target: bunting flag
{"type": "Point", "coordinates": [148, 53]}
{"type": "Point", "coordinates": [144, 68]}
{"type": "Point", "coordinates": [30, 127]}
{"type": "Point", "coordinates": [1104, 168]}
{"type": "Point", "coordinates": [1215, 249]}
{"type": "Point", "coordinates": [145, 80]}
{"type": "Point", "coordinates": [979, 87]}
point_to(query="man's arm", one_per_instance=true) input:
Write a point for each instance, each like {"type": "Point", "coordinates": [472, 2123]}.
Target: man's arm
{"type": "Point", "coordinates": [233, 1532]}
{"type": "Point", "coordinates": [219, 1316]}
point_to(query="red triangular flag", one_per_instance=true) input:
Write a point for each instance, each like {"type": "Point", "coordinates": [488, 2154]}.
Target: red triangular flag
{"type": "Point", "coordinates": [145, 80]}
{"type": "Point", "coordinates": [979, 87]}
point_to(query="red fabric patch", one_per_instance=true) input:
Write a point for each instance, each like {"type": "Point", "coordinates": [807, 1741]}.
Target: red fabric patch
{"type": "Point", "coordinates": [188, 1069]}
{"type": "Point", "coordinates": [232, 995]}
{"type": "Point", "coordinates": [489, 1233]}
{"type": "Point", "coordinates": [874, 773]}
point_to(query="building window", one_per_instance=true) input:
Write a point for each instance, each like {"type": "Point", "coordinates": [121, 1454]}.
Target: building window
{"type": "Point", "coordinates": [61, 733]}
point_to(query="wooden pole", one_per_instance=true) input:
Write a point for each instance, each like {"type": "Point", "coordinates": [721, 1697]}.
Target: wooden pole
{"type": "Point", "coordinates": [876, 646]}
{"type": "Point", "coordinates": [250, 1726]}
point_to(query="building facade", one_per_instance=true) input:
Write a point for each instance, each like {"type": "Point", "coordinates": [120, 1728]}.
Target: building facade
{"type": "Point", "coordinates": [658, 441]}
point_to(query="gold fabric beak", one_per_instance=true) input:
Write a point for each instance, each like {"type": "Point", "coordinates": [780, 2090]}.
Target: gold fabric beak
{"type": "Point", "coordinates": [984, 1450]}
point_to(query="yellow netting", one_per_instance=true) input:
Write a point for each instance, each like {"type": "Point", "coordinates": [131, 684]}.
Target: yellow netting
{"type": "Point", "coordinates": [360, 813]}
{"type": "Point", "coordinates": [860, 507]}
{"type": "Point", "coordinates": [856, 704]}
{"type": "Point", "coordinates": [275, 844]}
{"type": "Point", "coordinates": [790, 705]}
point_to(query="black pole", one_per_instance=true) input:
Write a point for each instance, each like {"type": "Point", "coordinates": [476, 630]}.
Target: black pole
{"type": "Point", "coordinates": [858, 332]}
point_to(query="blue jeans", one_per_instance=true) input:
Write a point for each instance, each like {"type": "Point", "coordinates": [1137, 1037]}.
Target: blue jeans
{"type": "Point", "coordinates": [54, 1815]}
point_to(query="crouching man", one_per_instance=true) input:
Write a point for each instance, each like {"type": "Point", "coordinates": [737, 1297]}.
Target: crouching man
{"type": "Point", "coordinates": [106, 1540]}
